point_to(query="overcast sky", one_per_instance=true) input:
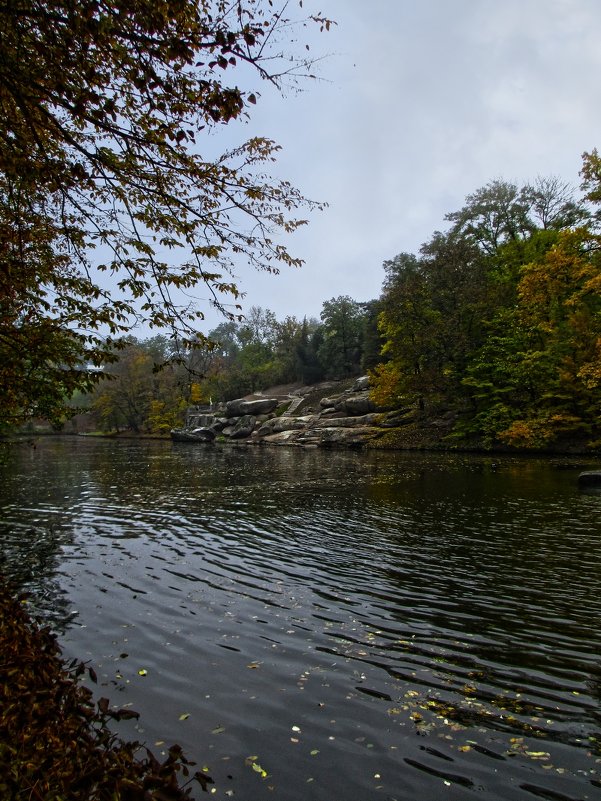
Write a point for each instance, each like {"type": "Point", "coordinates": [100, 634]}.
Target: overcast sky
{"type": "Point", "coordinates": [422, 102]}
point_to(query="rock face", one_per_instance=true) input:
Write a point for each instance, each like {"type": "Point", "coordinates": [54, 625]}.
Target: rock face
{"type": "Point", "coordinates": [241, 407]}
{"type": "Point", "coordinates": [348, 419]}
{"type": "Point", "coordinates": [244, 426]}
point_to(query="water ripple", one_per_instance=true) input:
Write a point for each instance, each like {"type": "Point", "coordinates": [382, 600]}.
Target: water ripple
{"type": "Point", "coordinates": [397, 625]}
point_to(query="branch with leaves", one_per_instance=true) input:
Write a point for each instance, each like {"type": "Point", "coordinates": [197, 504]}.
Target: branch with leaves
{"type": "Point", "coordinates": [109, 211]}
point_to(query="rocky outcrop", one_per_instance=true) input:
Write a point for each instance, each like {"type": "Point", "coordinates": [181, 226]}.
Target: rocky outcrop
{"type": "Point", "coordinates": [242, 407]}
{"type": "Point", "coordinates": [346, 419]}
{"type": "Point", "coordinates": [243, 427]}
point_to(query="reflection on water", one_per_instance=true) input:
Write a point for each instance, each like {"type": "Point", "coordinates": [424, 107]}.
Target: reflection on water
{"type": "Point", "coordinates": [393, 626]}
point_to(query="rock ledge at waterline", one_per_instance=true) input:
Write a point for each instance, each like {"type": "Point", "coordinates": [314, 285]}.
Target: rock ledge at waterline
{"type": "Point", "coordinates": [332, 414]}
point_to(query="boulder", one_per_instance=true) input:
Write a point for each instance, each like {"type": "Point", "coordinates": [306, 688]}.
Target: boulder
{"type": "Point", "coordinates": [361, 384]}
{"type": "Point", "coordinates": [590, 478]}
{"type": "Point", "coordinates": [276, 425]}
{"type": "Point", "coordinates": [337, 436]}
{"type": "Point", "coordinates": [244, 427]}
{"type": "Point", "coordinates": [241, 407]}
{"type": "Point", "coordinates": [358, 404]}
{"type": "Point", "coordinates": [282, 438]}
{"type": "Point", "coordinates": [345, 422]}
{"type": "Point", "coordinates": [196, 435]}
{"type": "Point", "coordinates": [326, 403]}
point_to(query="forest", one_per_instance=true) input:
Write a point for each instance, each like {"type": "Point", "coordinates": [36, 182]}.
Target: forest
{"type": "Point", "coordinates": [496, 321]}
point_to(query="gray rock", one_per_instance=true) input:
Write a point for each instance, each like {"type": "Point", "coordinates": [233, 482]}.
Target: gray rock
{"type": "Point", "coordinates": [244, 427]}
{"type": "Point", "coordinates": [196, 435]}
{"type": "Point", "coordinates": [361, 384]}
{"type": "Point", "coordinates": [337, 436]}
{"type": "Point", "coordinates": [590, 478]}
{"type": "Point", "coordinates": [326, 403]}
{"type": "Point", "coordinates": [276, 425]}
{"type": "Point", "coordinates": [345, 422]}
{"type": "Point", "coordinates": [358, 404]}
{"type": "Point", "coordinates": [281, 438]}
{"type": "Point", "coordinates": [241, 407]}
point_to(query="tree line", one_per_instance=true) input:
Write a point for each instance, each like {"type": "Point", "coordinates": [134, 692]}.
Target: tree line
{"type": "Point", "coordinates": [151, 384]}
{"type": "Point", "coordinates": [495, 322]}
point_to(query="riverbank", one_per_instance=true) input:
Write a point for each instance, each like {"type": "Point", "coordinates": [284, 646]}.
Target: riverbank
{"type": "Point", "coordinates": [343, 414]}
{"type": "Point", "coordinates": [55, 740]}
{"type": "Point", "coordinates": [337, 414]}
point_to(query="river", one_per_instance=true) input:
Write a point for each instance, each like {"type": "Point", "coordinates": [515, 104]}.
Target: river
{"type": "Point", "coordinates": [326, 625]}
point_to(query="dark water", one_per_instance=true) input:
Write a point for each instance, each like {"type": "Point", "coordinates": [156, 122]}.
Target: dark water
{"type": "Point", "coordinates": [357, 626]}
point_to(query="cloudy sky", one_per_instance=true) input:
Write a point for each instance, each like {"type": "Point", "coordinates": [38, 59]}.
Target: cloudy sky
{"type": "Point", "coordinates": [421, 103]}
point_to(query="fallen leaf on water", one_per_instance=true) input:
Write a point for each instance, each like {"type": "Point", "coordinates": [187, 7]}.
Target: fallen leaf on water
{"type": "Point", "coordinates": [142, 672]}
{"type": "Point", "coordinates": [314, 752]}
{"type": "Point", "coordinates": [218, 730]}
{"type": "Point", "coordinates": [184, 716]}
{"type": "Point", "coordinates": [251, 761]}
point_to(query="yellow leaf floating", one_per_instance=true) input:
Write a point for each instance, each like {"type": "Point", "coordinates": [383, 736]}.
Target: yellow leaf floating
{"type": "Point", "coordinates": [251, 760]}
{"type": "Point", "coordinates": [184, 716]}
{"type": "Point", "coordinates": [142, 672]}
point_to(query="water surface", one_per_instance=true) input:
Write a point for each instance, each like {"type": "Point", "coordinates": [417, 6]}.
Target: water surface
{"type": "Point", "coordinates": [357, 625]}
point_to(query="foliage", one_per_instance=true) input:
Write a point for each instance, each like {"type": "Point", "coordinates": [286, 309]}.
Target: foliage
{"type": "Point", "coordinates": [499, 319]}
{"type": "Point", "coordinates": [245, 356]}
{"type": "Point", "coordinates": [386, 380]}
{"type": "Point", "coordinates": [141, 392]}
{"type": "Point", "coordinates": [340, 351]}
{"type": "Point", "coordinates": [258, 352]}
{"type": "Point", "coordinates": [55, 742]}
{"type": "Point", "coordinates": [432, 311]}
{"type": "Point", "coordinates": [109, 211]}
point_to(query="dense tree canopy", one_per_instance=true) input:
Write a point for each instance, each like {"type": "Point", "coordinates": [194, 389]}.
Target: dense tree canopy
{"type": "Point", "coordinates": [498, 321]}
{"type": "Point", "coordinates": [109, 210]}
